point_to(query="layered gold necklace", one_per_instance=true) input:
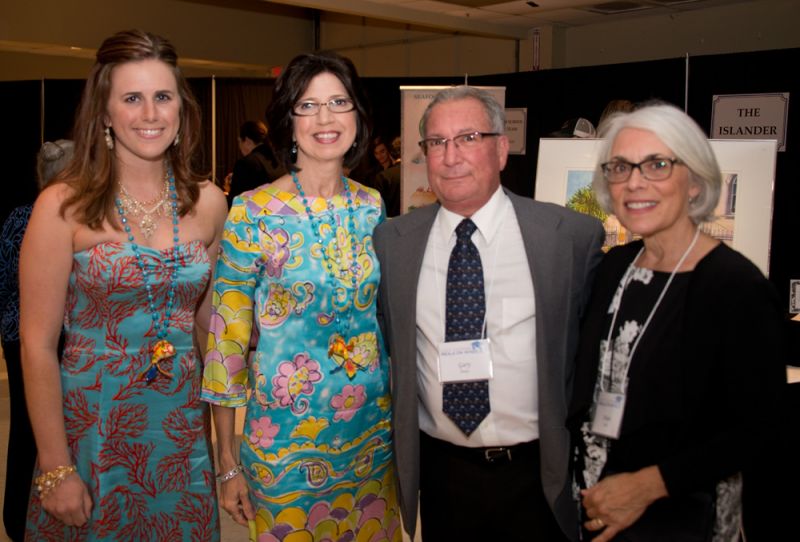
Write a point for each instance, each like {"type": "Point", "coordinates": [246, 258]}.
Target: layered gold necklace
{"type": "Point", "coordinates": [146, 213]}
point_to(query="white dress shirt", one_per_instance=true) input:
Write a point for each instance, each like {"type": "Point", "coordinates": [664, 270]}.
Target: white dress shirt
{"type": "Point", "coordinates": [511, 330]}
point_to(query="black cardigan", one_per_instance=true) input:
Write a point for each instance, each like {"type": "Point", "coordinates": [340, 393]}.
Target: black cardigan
{"type": "Point", "coordinates": [715, 404]}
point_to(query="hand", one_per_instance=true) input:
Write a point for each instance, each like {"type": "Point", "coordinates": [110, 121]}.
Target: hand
{"type": "Point", "coordinates": [69, 502]}
{"type": "Point", "coordinates": [618, 501]}
{"type": "Point", "coordinates": [234, 497]}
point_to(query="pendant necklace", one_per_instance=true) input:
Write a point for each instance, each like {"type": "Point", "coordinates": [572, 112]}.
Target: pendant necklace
{"type": "Point", "coordinates": [148, 212]}
{"type": "Point", "coordinates": [162, 350]}
{"type": "Point", "coordinates": [340, 349]}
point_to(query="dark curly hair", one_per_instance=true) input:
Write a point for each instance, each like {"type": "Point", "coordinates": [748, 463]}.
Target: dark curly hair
{"type": "Point", "coordinates": [291, 85]}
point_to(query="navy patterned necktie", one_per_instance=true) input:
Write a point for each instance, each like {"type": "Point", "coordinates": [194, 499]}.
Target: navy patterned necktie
{"type": "Point", "coordinates": [466, 403]}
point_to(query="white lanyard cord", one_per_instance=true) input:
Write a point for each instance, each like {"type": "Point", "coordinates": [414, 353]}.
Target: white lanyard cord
{"type": "Point", "coordinates": [609, 346]}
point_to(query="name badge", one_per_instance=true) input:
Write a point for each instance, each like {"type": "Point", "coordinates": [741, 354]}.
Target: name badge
{"type": "Point", "coordinates": [608, 411]}
{"type": "Point", "coordinates": [465, 361]}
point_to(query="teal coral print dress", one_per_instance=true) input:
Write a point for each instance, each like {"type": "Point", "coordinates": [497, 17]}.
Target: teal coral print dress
{"type": "Point", "coordinates": [141, 448]}
{"type": "Point", "coordinates": [317, 436]}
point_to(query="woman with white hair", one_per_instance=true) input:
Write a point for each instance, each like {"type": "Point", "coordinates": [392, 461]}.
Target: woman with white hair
{"type": "Point", "coordinates": [679, 363]}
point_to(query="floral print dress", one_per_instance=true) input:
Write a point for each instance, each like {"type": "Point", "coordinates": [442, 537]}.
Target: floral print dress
{"type": "Point", "coordinates": [301, 290]}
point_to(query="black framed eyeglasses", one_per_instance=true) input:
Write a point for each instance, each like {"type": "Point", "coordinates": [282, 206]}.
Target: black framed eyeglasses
{"type": "Point", "coordinates": [652, 169]}
{"type": "Point", "coordinates": [308, 108]}
{"type": "Point", "coordinates": [436, 146]}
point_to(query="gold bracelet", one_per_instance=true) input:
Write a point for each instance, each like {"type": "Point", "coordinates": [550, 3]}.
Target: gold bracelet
{"type": "Point", "coordinates": [47, 482]}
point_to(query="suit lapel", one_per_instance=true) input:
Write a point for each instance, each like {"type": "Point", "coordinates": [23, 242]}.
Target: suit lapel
{"type": "Point", "coordinates": [406, 263]}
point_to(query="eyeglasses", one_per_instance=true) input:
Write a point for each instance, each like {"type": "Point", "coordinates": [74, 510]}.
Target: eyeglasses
{"type": "Point", "coordinates": [652, 169]}
{"type": "Point", "coordinates": [436, 146]}
{"type": "Point", "coordinates": [336, 105]}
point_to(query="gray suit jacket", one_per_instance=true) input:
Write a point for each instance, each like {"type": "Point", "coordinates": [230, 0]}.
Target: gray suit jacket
{"type": "Point", "coordinates": [563, 249]}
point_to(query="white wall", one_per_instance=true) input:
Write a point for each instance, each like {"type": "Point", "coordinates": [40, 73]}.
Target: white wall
{"type": "Point", "coordinates": [754, 26]}
{"type": "Point", "coordinates": [245, 36]}
{"type": "Point", "coordinates": [392, 49]}
{"type": "Point", "coordinates": [384, 49]}
{"type": "Point", "coordinates": [242, 32]}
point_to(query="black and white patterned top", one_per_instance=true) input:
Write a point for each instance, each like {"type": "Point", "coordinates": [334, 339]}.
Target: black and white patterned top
{"type": "Point", "coordinates": [652, 370]}
{"type": "Point", "coordinates": [641, 290]}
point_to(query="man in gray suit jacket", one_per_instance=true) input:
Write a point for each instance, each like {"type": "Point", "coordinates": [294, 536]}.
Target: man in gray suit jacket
{"type": "Point", "coordinates": [479, 429]}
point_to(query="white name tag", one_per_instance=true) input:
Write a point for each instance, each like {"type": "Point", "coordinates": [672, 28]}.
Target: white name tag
{"type": "Point", "coordinates": [608, 411]}
{"type": "Point", "coordinates": [465, 361]}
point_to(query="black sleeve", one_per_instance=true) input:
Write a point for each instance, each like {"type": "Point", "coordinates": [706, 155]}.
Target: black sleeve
{"type": "Point", "coordinates": [736, 329]}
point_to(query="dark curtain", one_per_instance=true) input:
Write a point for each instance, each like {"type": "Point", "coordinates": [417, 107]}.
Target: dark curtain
{"type": "Point", "coordinates": [770, 484]}
{"type": "Point", "coordinates": [61, 100]}
{"type": "Point", "coordinates": [238, 100]}
{"type": "Point", "coordinates": [745, 73]}
{"type": "Point", "coordinates": [201, 88]}
{"type": "Point", "coordinates": [20, 141]}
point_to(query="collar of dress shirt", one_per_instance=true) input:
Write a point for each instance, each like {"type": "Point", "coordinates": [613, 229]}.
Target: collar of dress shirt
{"type": "Point", "coordinates": [488, 218]}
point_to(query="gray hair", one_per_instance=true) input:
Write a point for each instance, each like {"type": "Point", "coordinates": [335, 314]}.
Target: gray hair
{"type": "Point", "coordinates": [494, 111]}
{"type": "Point", "coordinates": [52, 158]}
{"type": "Point", "coordinates": [686, 140]}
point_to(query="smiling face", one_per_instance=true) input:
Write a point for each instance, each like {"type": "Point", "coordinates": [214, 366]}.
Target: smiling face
{"type": "Point", "coordinates": [464, 179]}
{"type": "Point", "coordinates": [326, 136]}
{"type": "Point", "coordinates": [143, 110]}
{"type": "Point", "coordinates": [650, 208]}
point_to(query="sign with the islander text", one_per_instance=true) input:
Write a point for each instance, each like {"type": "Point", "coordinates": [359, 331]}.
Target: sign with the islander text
{"type": "Point", "coordinates": [750, 116]}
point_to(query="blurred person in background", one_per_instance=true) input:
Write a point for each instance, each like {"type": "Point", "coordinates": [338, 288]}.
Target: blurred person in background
{"type": "Point", "coordinates": [258, 164]}
{"type": "Point", "coordinates": [386, 177]}
{"type": "Point", "coordinates": [21, 458]}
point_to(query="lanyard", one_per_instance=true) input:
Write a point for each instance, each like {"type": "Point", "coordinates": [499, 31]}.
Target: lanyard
{"type": "Point", "coordinates": [624, 284]}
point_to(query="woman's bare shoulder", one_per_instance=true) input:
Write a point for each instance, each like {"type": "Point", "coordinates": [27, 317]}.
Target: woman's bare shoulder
{"type": "Point", "coordinates": [51, 200]}
{"type": "Point", "coordinates": [212, 202]}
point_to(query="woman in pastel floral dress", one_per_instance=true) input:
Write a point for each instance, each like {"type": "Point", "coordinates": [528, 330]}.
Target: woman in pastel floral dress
{"type": "Point", "coordinates": [297, 277]}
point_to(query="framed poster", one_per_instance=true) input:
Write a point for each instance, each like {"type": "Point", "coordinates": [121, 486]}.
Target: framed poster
{"type": "Point", "coordinates": [744, 213]}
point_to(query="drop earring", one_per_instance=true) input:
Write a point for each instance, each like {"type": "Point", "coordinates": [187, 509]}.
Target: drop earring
{"type": "Point", "coordinates": [109, 139]}
{"type": "Point", "coordinates": [293, 151]}
{"type": "Point", "coordinates": [177, 139]}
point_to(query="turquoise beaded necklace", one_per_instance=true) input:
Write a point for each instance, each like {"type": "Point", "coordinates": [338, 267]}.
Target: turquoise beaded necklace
{"type": "Point", "coordinates": [162, 350]}
{"type": "Point", "coordinates": [338, 343]}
